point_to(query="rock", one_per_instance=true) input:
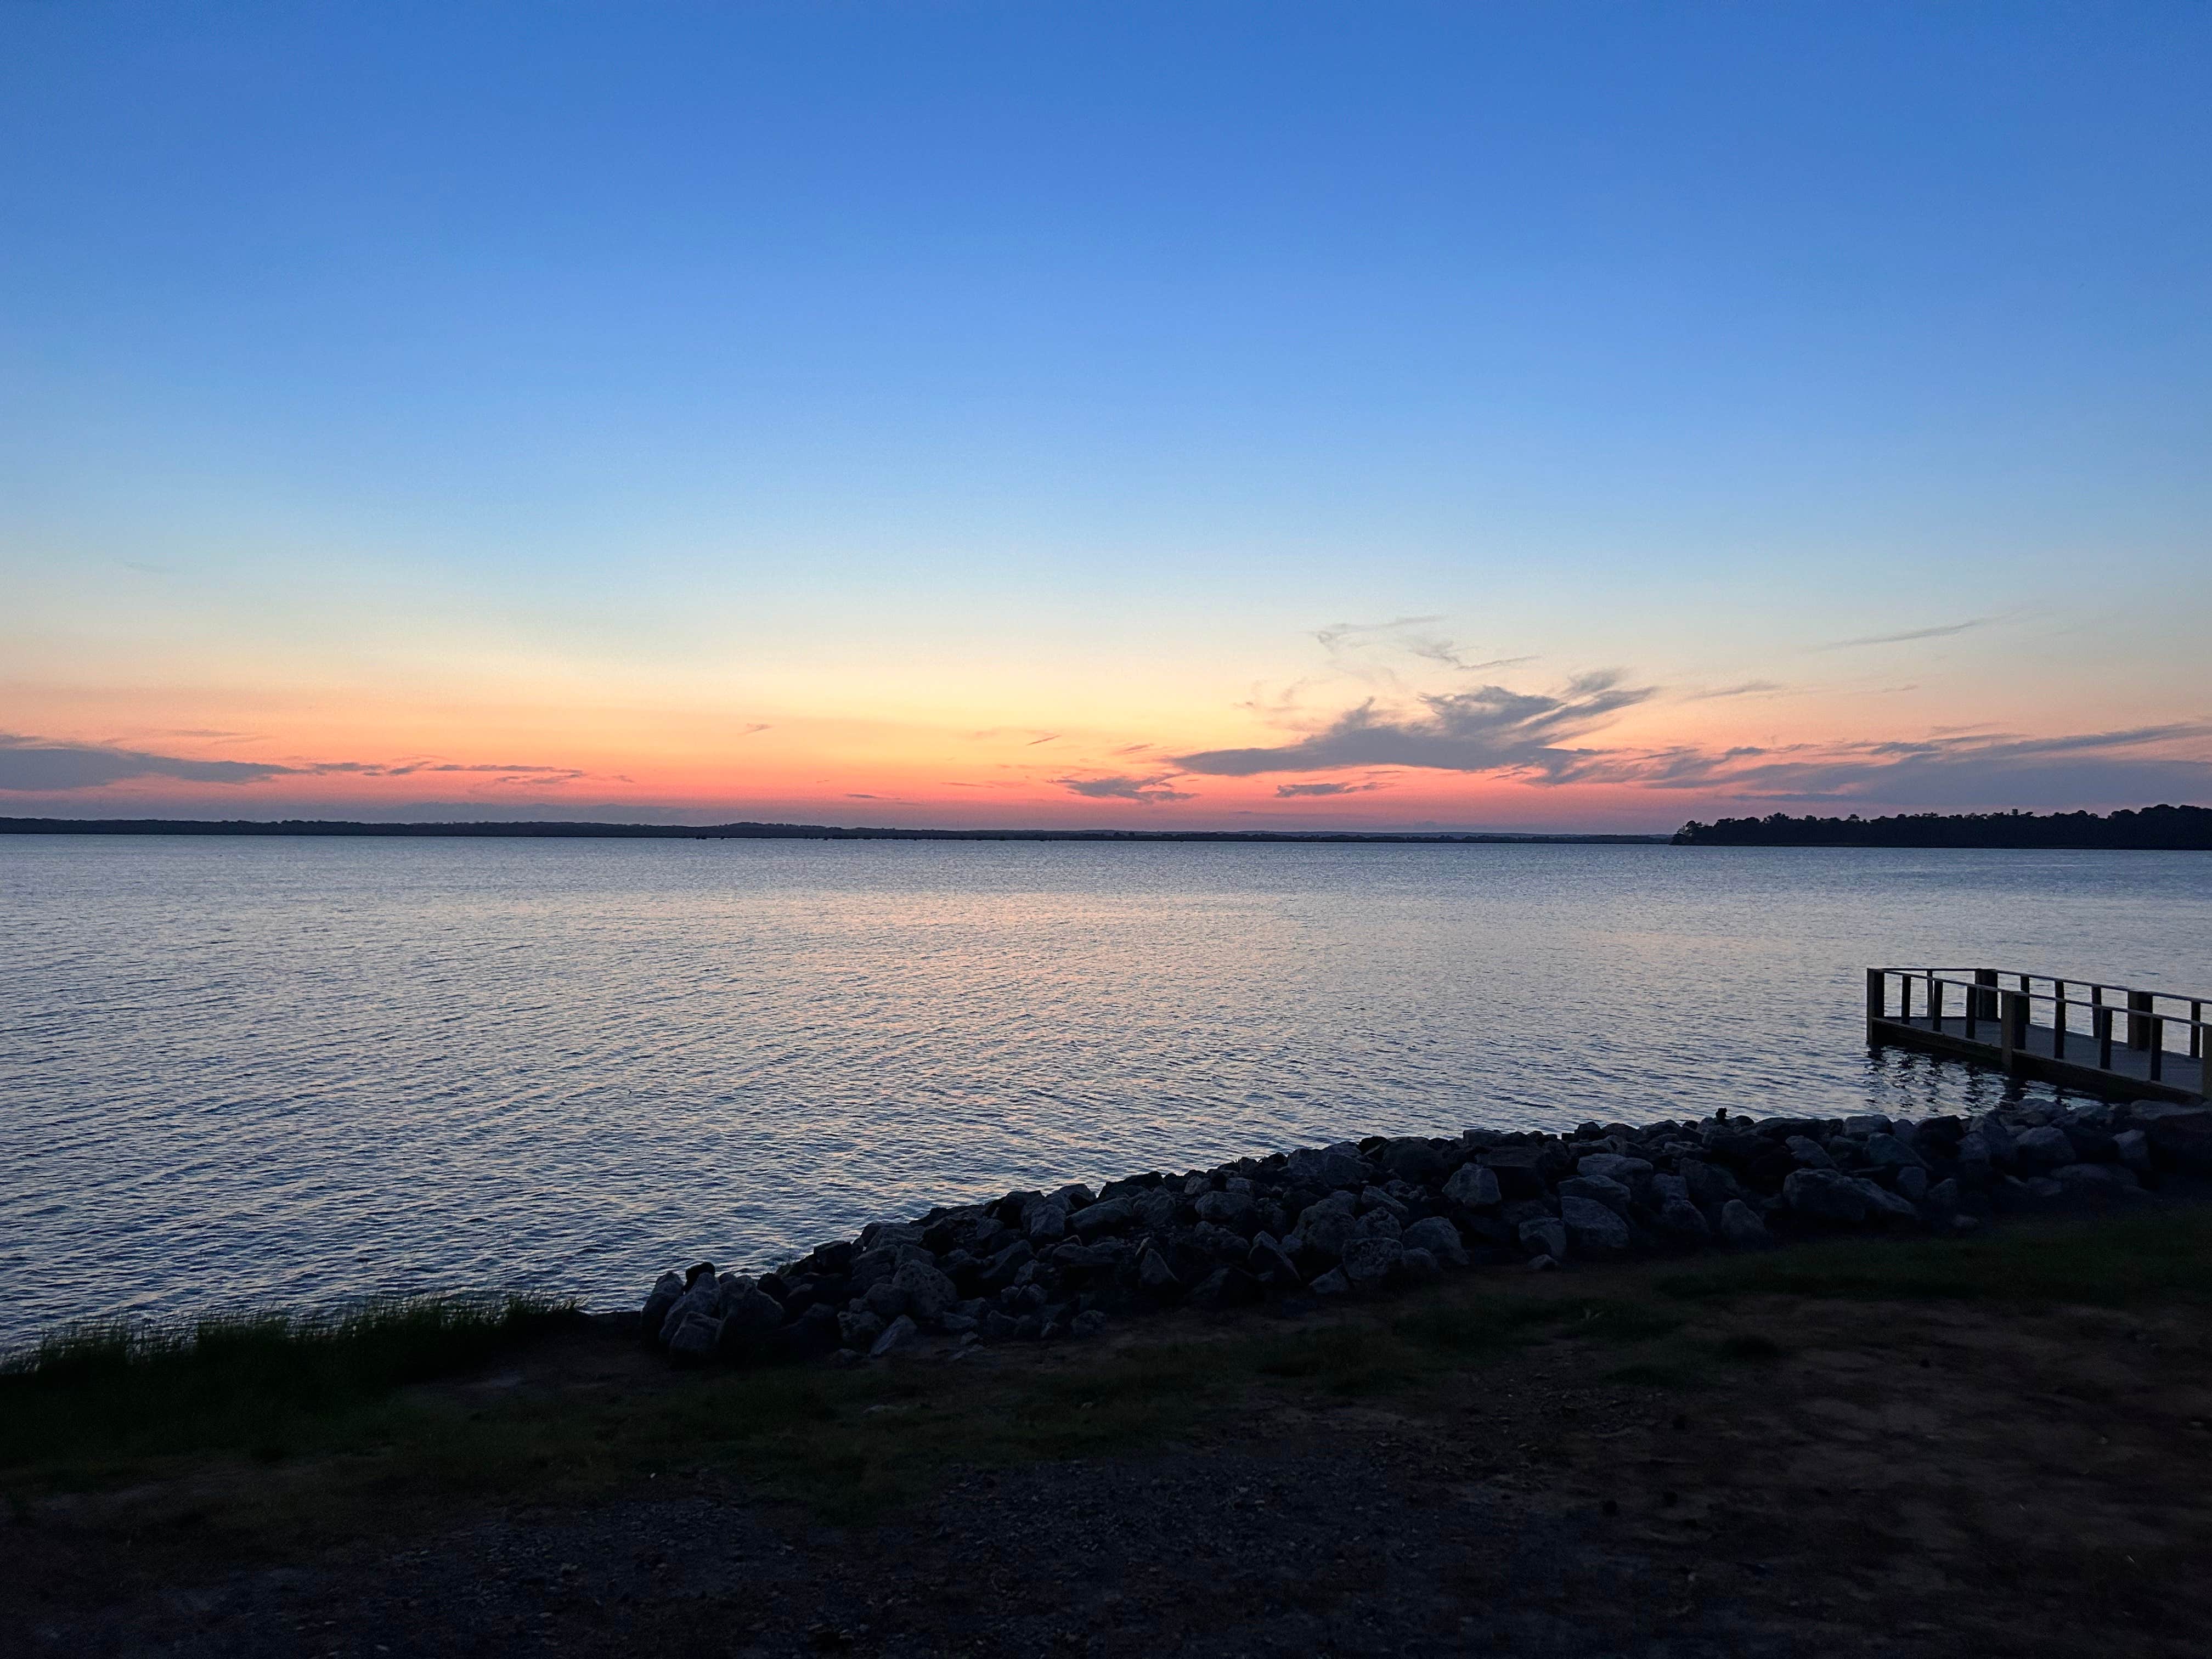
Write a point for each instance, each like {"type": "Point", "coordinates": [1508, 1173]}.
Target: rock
{"type": "Point", "coordinates": [1439, 1238]}
{"type": "Point", "coordinates": [959, 1324]}
{"type": "Point", "coordinates": [1631, 1173]}
{"type": "Point", "coordinates": [1997, 1142]}
{"type": "Point", "coordinates": [668, 1290]}
{"type": "Point", "coordinates": [2133, 1146]}
{"type": "Point", "coordinates": [1420, 1265]}
{"type": "Point", "coordinates": [1328, 1227]}
{"type": "Point", "coordinates": [1369, 1261]}
{"type": "Point", "coordinates": [871, 1268]}
{"type": "Point", "coordinates": [884, 1299]}
{"type": "Point", "coordinates": [1809, 1152]}
{"type": "Point", "coordinates": [1001, 1326]}
{"type": "Point", "coordinates": [1473, 1187]}
{"type": "Point", "coordinates": [1325, 1171]}
{"type": "Point", "coordinates": [1882, 1201]}
{"type": "Point", "coordinates": [1332, 1282]}
{"type": "Point", "coordinates": [749, 1318]}
{"type": "Point", "coordinates": [2046, 1147]}
{"type": "Point", "coordinates": [1044, 1221]}
{"type": "Point", "coordinates": [704, 1299]}
{"type": "Point", "coordinates": [1709, 1183]}
{"type": "Point", "coordinates": [1599, 1189]}
{"type": "Point", "coordinates": [1669, 1190]}
{"type": "Point", "coordinates": [2179, 1134]}
{"type": "Point", "coordinates": [1545, 1236]}
{"type": "Point", "coordinates": [1412, 1159]}
{"type": "Point", "coordinates": [696, 1339]}
{"type": "Point", "coordinates": [929, 1294]}
{"type": "Point", "coordinates": [1219, 1242]}
{"type": "Point", "coordinates": [1157, 1211]}
{"type": "Point", "coordinates": [1543, 1264]}
{"type": "Point", "coordinates": [1518, 1170]}
{"type": "Point", "coordinates": [1230, 1211]}
{"type": "Point", "coordinates": [901, 1333]}
{"type": "Point", "coordinates": [1378, 1224]}
{"type": "Point", "coordinates": [1096, 1220]}
{"type": "Point", "coordinates": [1913, 1184]}
{"type": "Point", "coordinates": [1741, 1226]}
{"type": "Point", "coordinates": [1155, 1275]}
{"type": "Point", "coordinates": [1090, 1323]}
{"type": "Point", "coordinates": [1593, 1226]}
{"type": "Point", "coordinates": [1825, 1195]}
{"type": "Point", "coordinates": [1680, 1220]}
{"type": "Point", "coordinates": [1888, 1152]}
{"type": "Point", "coordinates": [1270, 1263]}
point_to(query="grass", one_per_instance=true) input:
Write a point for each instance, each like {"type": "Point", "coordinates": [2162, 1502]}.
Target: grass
{"type": "Point", "coordinates": [262, 1382]}
{"type": "Point", "coordinates": [100, 1409]}
{"type": "Point", "coordinates": [2158, 1254]}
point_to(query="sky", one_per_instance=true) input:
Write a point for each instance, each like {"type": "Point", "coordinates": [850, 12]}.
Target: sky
{"type": "Point", "coordinates": [1396, 415]}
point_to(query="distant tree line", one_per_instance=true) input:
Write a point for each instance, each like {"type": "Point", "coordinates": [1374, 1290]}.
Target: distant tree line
{"type": "Point", "coordinates": [2148, 828]}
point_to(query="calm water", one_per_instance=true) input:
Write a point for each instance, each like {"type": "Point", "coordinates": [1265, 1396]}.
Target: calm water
{"type": "Point", "coordinates": [292, 1070]}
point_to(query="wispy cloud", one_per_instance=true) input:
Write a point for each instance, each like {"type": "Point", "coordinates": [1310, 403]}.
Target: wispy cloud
{"type": "Point", "coordinates": [41, 766]}
{"type": "Point", "coordinates": [1153, 789]}
{"type": "Point", "coordinates": [1295, 791]}
{"type": "Point", "coordinates": [33, 765]}
{"type": "Point", "coordinates": [1748, 688]}
{"type": "Point", "coordinates": [1942, 632]}
{"type": "Point", "coordinates": [2000, 770]}
{"type": "Point", "coordinates": [1489, 729]}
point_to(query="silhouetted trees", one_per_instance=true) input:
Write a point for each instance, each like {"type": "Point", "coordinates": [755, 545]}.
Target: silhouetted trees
{"type": "Point", "coordinates": [2148, 828]}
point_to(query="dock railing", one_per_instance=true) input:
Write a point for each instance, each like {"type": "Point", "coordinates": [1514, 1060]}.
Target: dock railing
{"type": "Point", "coordinates": [2004, 1002]}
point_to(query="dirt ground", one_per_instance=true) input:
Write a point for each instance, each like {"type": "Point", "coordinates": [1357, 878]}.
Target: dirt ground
{"type": "Point", "coordinates": [1766, 1474]}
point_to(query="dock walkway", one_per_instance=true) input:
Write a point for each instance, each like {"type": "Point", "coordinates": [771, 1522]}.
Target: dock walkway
{"type": "Point", "coordinates": [2110, 1039]}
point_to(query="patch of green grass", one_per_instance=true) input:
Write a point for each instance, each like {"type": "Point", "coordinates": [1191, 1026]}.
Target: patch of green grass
{"type": "Point", "coordinates": [264, 1383]}
{"type": "Point", "coordinates": [2105, 1261]}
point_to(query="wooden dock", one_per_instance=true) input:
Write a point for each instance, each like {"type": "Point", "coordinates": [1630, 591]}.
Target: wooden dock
{"type": "Point", "coordinates": [2108, 1039]}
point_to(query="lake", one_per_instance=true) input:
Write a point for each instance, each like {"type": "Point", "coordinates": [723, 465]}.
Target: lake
{"type": "Point", "coordinates": [261, 1070]}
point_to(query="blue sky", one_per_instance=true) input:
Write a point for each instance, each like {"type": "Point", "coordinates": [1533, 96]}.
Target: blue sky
{"type": "Point", "coordinates": [386, 383]}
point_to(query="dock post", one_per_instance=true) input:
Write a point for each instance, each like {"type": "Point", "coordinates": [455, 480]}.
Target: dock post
{"type": "Point", "coordinates": [2139, 1025]}
{"type": "Point", "coordinates": [2012, 1027]}
{"type": "Point", "coordinates": [1877, 1001]}
{"type": "Point", "coordinates": [1985, 1002]}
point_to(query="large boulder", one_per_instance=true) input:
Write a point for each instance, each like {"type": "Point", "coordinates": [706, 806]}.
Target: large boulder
{"type": "Point", "coordinates": [1413, 1159]}
{"type": "Point", "coordinates": [1742, 1226]}
{"type": "Point", "coordinates": [1368, 1262]}
{"type": "Point", "coordinates": [1890, 1151]}
{"type": "Point", "coordinates": [1545, 1236]}
{"type": "Point", "coordinates": [2044, 1147]}
{"type": "Point", "coordinates": [667, 1290]}
{"type": "Point", "coordinates": [1232, 1210]}
{"type": "Point", "coordinates": [2179, 1135]}
{"type": "Point", "coordinates": [1439, 1238]}
{"type": "Point", "coordinates": [929, 1294]}
{"type": "Point", "coordinates": [901, 1333]}
{"type": "Point", "coordinates": [1594, 1227]}
{"type": "Point", "coordinates": [1097, 1220]}
{"type": "Point", "coordinates": [1630, 1172]}
{"type": "Point", "coordinates": [1473, 1187]}
{"type": "Point", "coordinates": [1611, 1193]}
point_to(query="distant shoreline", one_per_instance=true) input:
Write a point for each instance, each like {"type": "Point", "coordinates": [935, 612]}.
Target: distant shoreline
{"type": "Point", "coordinates": [557, 831]}
{"type": "Point", "coordinates": [2145, 830]}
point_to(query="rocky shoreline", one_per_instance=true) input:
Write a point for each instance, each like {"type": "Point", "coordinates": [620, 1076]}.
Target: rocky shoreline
{"type": "Point", "coordinates": [1367, 1217]}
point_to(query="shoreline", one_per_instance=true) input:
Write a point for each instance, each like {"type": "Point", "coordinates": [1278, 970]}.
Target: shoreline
{"type": "Point", "coordinates": [1382, 1214]}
